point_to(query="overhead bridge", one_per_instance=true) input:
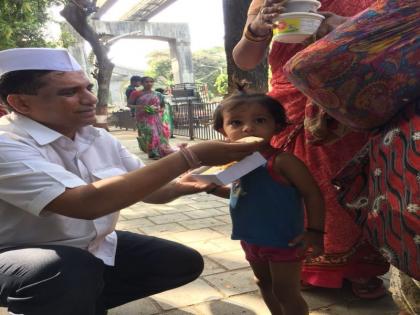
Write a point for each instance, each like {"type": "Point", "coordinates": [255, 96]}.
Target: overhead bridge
{"type": "Point", "coordinates": [134, 24]}
{"type": "Point", "coordinates": [141, 10]}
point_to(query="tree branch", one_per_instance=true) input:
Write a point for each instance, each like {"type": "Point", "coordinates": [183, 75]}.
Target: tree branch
{"type": "Point", "coordinates": [76, 13]}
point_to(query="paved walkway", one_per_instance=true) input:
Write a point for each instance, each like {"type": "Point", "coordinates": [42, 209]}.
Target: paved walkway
{"type": "Point", "coordinates": [226, 286]}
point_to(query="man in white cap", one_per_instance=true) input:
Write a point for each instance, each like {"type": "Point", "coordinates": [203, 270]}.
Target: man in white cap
{"type": "Point", "coordinates": [62, 183]}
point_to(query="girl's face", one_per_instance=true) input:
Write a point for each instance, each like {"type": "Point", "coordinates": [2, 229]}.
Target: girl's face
{"type": "Point", "coordinates": [247, 120]}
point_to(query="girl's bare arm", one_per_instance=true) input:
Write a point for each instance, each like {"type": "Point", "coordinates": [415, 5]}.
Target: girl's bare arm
{"type": "Point", "coordinates": [296, 172]}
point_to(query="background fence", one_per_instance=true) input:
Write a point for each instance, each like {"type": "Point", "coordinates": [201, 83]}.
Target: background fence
{"type": "Point", "coordinates": [192, 120]}
{"type": "Point", "coordinates": [195, 120]}
{"type": "Point", "coordinates": [192, 112]}
{"type": "Point", "coordinates": [122, 119]}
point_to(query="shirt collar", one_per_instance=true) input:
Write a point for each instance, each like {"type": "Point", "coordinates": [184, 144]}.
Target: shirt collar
{"type": "Point", "coordinates": [44, 135]}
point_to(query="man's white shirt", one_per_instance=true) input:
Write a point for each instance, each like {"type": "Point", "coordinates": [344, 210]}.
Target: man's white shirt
{"type": "Point", "coordinates": [37, 164]}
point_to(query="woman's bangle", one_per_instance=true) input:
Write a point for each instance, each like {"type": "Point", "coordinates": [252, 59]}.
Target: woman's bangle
{"type": "Point", "coordinates": [190, 157]}
{"type": "Point", "coordinates": [251, 36]}
{"type": "Point", "coordinates": [315, 230]}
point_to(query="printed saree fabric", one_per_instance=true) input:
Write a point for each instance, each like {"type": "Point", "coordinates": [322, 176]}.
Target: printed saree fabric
{"type": "Point", "coordinates": [153, 134]}
{"type": "Point", "coordinates": [380, 188]}
{"type": "Point", "coordinates": [366, 70]}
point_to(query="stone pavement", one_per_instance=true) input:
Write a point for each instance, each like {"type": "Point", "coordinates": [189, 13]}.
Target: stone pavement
{"type": "Point", "coordinates": [226, 286]}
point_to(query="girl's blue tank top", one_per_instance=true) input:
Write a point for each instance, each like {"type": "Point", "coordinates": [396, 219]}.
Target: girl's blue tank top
{"type": "Point", "coordinates": [265, 211]}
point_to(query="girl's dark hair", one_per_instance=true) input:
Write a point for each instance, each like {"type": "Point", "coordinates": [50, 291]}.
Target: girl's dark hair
{"type": "Point", "coordinates": [21, 82]}
{"type": "Point", "coordinates": [242, 97]}
{"type": "Point", "coordinates": [135, 78]}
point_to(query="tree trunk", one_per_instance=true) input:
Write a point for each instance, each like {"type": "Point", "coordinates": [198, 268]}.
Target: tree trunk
{"type": "Point", "coordinates": [76, 14]}
{"type": "Point", "coordinates": [235, 14]}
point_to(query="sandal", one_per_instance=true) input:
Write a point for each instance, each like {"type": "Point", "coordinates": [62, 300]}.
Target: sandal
{"type": "Point", "coordinates": [373, 288]}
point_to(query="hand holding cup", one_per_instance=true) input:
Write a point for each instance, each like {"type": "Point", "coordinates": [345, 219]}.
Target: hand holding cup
{"type": "Point", "coordinates": [269, 12]}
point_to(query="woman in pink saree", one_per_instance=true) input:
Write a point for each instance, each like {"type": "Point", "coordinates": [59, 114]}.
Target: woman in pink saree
{"type": "Point", "coordinates": [153, 135]}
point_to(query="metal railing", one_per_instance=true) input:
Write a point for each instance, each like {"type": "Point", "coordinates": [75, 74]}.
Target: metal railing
{"type": "Point", "coordinates": [192, 111]}
{"type": "Point", "coordinates": [195, 120]}
{"type": "Point", "coordinates": [182, 92]}
{"type": "Point", "coordinates": [122, 119]}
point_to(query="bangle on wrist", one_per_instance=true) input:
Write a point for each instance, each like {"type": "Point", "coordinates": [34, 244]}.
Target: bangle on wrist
{"type": "Point", "coordinates": [190, 157]}
{"type": "Point", "coordinates": [318, 231]}
{"type": "Point", "coordinates": [251, 36]}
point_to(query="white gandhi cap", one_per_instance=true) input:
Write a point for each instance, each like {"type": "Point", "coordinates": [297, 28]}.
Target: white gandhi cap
{"type": "Point", "coordinates": [17, 59]}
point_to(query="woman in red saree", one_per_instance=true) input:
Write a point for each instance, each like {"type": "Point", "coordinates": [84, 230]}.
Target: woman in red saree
{"type": "Point", "coordinates": [322, 144]}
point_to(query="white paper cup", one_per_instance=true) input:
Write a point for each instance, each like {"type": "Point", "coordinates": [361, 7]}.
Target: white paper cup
{"type": "Point", "coordinates": [294, 28]}
{"type": "Point", "coordinates": [302, 6]}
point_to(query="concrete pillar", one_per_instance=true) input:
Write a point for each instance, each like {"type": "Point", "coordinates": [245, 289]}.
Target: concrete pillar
{"type": "Point", "coordinates": [78, 52]}
{"type": "Point", "coordinates": [117, 91]}
{"type": "Point", "coordinates": [181, 59]}
{"type": "Point", "coordinates": [176, 34]}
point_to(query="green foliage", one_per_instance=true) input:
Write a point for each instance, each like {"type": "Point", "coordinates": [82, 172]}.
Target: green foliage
{"type": "Point", "coordinates": [159, 68]}
{"type": "Point", "coordinates": [221, 84]}
{"type": "Point", "coordinates": [66, 38]}
{"type": "Point", "coordinates": [22, 23]}
{"type": "Point", "coordinates": [208, 65]}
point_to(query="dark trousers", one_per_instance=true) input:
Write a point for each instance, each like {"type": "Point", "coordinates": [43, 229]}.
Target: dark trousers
{"type": "Point", "coordinates": [65, 280]}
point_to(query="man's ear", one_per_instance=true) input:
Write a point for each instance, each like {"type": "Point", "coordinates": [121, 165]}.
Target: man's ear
{"type": "Point", "coordinates": [18, 103]}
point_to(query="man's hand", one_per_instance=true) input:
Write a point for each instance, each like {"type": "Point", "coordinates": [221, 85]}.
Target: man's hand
{"type": "Point", "coordinates": [187, 185]}
{"type": "Point", "coordinates": [221, 152]}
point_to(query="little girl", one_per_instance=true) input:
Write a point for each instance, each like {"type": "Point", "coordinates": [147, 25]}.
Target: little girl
{"type": "Point", "coordinates": [266, 205]}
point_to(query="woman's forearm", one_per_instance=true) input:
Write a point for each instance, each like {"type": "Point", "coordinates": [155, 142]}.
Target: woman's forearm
{"type": "Point", "coordinates": [248, 54]}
